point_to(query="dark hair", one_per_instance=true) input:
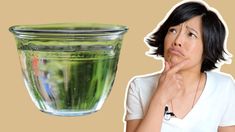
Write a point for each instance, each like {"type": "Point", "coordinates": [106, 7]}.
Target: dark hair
{"type": "Point", "coordinates": [213, 33]}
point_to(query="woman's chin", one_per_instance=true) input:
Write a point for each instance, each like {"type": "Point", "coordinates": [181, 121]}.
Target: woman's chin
{"type": "Point", "coordinates": [173, 61]}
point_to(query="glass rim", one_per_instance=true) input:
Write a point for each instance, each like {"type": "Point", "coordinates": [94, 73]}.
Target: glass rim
{"type": "Point", "coordinates": [68, 28]}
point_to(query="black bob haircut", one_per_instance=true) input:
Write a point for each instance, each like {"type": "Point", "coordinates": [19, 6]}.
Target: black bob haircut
{"type": "Point", "coordinates": [213, 33]}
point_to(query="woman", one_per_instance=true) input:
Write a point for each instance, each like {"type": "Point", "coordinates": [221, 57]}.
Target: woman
{"type": "Point", "coordinates": [187, 96]}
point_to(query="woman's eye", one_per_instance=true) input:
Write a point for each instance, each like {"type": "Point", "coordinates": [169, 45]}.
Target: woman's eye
{"type": "Point", "coordinates": [172, 30]}
{"type": "Point", "coordinates": [192, 35]}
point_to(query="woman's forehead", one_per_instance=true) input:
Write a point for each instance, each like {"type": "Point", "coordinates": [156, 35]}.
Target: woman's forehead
{"type": "Point", "coordinates": [194, 23]}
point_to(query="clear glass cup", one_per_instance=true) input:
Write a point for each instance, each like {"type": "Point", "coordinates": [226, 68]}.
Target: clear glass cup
{"type": "Point", "coordinates": [69, 69]}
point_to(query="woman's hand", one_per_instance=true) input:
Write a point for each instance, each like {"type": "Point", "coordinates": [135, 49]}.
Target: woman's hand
{"type": "Point", "coordinates": [170, 82]}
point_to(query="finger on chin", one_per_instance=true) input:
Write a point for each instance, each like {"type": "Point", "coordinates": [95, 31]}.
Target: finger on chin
{"type": "Point", "coordinates": [177, 67]}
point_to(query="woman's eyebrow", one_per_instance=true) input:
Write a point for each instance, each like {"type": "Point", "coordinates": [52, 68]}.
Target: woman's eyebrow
{"type": "Point", "coordinates": [190, 28]}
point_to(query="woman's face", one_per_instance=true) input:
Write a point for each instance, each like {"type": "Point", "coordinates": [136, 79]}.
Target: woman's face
{"type": "Point", "coordinates": [184, 41]}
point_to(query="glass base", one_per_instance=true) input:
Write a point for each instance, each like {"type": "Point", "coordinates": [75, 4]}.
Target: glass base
{"type": "Point", "coordinates": [69, 113]}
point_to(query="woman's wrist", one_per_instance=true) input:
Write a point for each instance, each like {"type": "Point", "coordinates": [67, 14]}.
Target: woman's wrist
{"type": "Point", "coordinates": [159, 100]}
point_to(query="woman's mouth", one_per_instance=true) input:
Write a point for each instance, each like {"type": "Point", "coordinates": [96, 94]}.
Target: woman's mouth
{"type": "Point", "coordinates": [175, 52]}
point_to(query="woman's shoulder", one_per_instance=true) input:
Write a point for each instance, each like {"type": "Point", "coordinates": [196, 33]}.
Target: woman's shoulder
{"type": "Point", "coordinates": [222, 82]}
{"type": "Point", "coordinates": [220, 76]}
{"type": "Point", "coordinates": [145, 82]}
{"type": "Point", "coordinates": [146, 78]}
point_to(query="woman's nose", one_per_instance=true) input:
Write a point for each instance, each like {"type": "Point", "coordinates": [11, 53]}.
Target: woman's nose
{"type": "Point", "coordinates": [178, 40]}
{"type": "Point", "coordinates": [177, 44]}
